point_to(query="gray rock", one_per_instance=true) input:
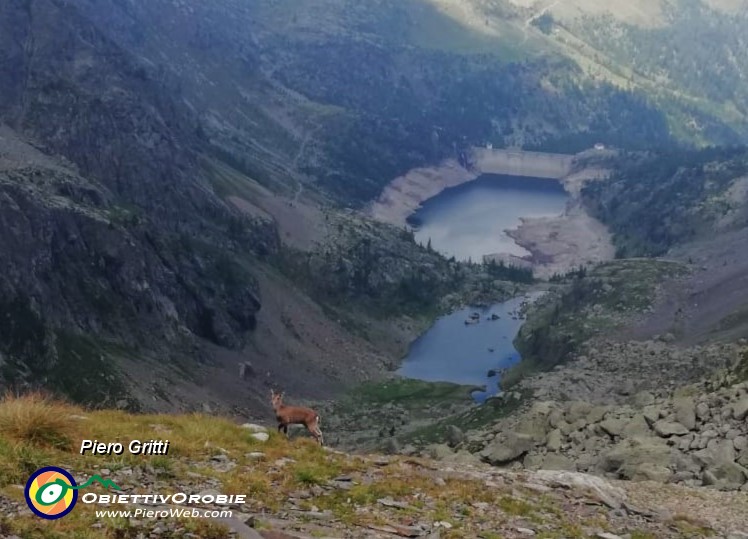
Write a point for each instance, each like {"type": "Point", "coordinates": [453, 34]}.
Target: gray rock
{"type": "Point", "coordinates": [554, 461]}
{"type": "Point", "coordinates": [637, 427]}
{"type": "Point", "coordinates": [740, 443]}
{"type": "Point", "coordinates": [728, 475]}
{"type": "Point", "coordinates": [513, 447]}
{"type": "Point", "coordinates": [625, 458]}
{"type": "Point", "coordinates": [716, 453]}
{"type": "Point", "coordinates": [740, 409]}
{"type": "Point", "coordinates": [577, 410]}
{"type": "Point", "coordinates": [553, 441]}
{"type": "Point", "coordinates": [462, 458]}
{"type": "Point", "coordinates": [613, 427]}
{"type": "Point", "coordinates": [597, 414]}
{"type": "Point", "coordinates": [252, 427]}
{"type": "Point", "coordinates": [650, 472]}
{"type": "Point", "coordinates": [685, 412]}
{"type": "Point", "coordinates": [533, 462]}
{"type": "Point", "coordinates": [555, 418]}
{"type": "Point", "coordinates": [439, 451]}
{"type": "Point", "coordinates": [389, 502]}
{"type": "Point", "coordinates": [565, 428]}
{"type": "Point", "coordinates": [260, 436]}
{"type": "Point", "coordinates": [627, 388]}
{"type": "Point", "coordinates": [455, 436]}
{"type": "Point", "coordinates": [702, 411]}
{"type": "Point", "coordinates": [652, 414]}
{"type": "Point", "coordinates": [535, 426]}
{"type": "Point", "coordinates": [642, 399]}
{"type": "Point", "coordinates": [669, 428]}
{"type": "Point", "coordinates": [597, 487]}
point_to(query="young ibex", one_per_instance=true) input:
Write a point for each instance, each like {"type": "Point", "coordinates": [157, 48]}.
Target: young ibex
{"type": "Point", "coordinates": [295, 415]}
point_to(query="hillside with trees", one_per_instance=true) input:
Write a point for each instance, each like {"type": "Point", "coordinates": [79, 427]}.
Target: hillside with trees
{"type": "Point", "coordinates": [655, 201]}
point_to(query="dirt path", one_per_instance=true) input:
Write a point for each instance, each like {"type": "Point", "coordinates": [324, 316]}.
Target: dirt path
{"type": "Point", "coordinates": [528, 22]}
{"type": "Point", "coordinates": [295, 164]}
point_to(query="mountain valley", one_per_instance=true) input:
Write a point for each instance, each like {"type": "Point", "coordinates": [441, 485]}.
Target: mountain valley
{"type": "Point", "coordinates": [201, 201]}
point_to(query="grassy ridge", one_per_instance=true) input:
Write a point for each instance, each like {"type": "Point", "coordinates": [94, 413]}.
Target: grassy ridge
{"type": "Point", "coordinates": [282, 479]}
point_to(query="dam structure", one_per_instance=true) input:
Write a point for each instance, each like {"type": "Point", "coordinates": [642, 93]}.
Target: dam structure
{"type": "Point", "coordinates": [405, 194]}
{"type": "Point", "coordinates": [521, 163]}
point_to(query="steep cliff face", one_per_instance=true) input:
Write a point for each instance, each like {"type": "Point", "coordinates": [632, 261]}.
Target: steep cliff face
{"type": "Point", "coordinates": [109, 230]}
{"type": "Point", "coordinates": [125, 277]}
{"type": "Point", "coordinates": [73, 89]}
{"type": "Point", "coordinates": [77, 268]}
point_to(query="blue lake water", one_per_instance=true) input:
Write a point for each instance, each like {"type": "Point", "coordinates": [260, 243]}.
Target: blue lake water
{"type": "Point", "coordinates": [452, 351]}
{"type": "Point", "coordinates": [469, 221]}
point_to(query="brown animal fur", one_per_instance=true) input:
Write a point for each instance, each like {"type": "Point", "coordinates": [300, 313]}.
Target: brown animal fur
{"type": "Point", "coordinates": [295, 415]}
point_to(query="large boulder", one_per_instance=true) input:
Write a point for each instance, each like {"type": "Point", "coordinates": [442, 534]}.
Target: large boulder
{"type": "Point", "coordinates": [596, 487]}
{"type": "Point", "coordinates": [650, 472]}
{"type": "Point", "coordinates": [553, 441]}
{"type": "Point", "coordinates": [642, 399]}
{"type": "Point", "coordinates": [613, 426]}
{"type": "Point", "coordinates": [702, 411]}
{"type": "Point", "coordinates": [507, 450]}
{"type": "Point", "coordinates": [728, 475]}
{"type": "Point", "coordinates": [685, 412]}
{"type": "Point", "coordinates": [455, 436]}
{"type": "Point", "coordinates": [740, 409]}
{"type": "Point", "coordinates": [553, 461]}
{"type": "Point", "coordinates": [535, 426]}
{"type": "Point", "coordinates": [716, 453]}
{"type": "Point", "coordinates": [637, 427]}
{"type": "Point", "coordinates": [666, 429]}
{"type": "Point", "coordinates": [578, 410]}
{"type": "Point", "coordinates": [439, 451]}
{"type": "Point", "coordinates": [627, 459]}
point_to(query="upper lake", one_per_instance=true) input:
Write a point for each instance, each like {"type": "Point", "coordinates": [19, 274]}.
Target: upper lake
{"type": "Point", "coordinates": [470, 220]}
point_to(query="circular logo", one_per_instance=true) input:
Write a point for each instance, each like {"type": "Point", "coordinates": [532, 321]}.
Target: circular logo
{"type": "Point", "coordinates": [50, 493]}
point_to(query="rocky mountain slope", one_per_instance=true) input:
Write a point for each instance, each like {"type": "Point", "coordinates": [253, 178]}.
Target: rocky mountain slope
{"type": "Point", "coordinates": [280, 92]}
{"type": "Point", "coordinates": [127, 251]}
{"type": "Point", "coordinates": [295, 489]}
{"type": "Point", "coordinates": [145, 267]}
{"type": "Point", "coordinates": [692, 434]}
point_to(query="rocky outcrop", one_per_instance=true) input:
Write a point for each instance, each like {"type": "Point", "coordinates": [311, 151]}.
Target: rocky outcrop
{"type": "Point", "coordinates": [605, 371]}
{"type": "Point", "coordinates": [79, 270]}
{"type": "Point", "coordinates": [697, 436]}
{"type": "Point", "coordinates": [113, 243]}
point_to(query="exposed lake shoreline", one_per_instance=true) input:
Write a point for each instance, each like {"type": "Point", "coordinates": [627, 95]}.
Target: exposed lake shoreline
{"type": "Point", "coordinates": [556, 244]}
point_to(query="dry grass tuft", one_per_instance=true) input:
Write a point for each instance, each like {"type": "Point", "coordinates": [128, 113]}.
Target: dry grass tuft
{"type": "Point", "coordinates": [38, 420]}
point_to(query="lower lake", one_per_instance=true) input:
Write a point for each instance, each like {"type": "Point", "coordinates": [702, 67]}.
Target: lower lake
{"type": "Point", "coordinates": [464, 346]}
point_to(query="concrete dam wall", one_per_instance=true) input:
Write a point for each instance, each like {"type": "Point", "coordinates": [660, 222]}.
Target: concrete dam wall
{"type": "Point", "coordinates": [521, 163]}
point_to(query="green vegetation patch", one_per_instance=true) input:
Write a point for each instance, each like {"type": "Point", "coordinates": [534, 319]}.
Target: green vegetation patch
{"type": "Point", "coordinates": [410, 393]}
{"type": "Point", "coordinates": [654, 202]}
{"type": "Point", "coordinates": [583, 307]}
{"type": "Point", "coordinates": [475, 417]}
